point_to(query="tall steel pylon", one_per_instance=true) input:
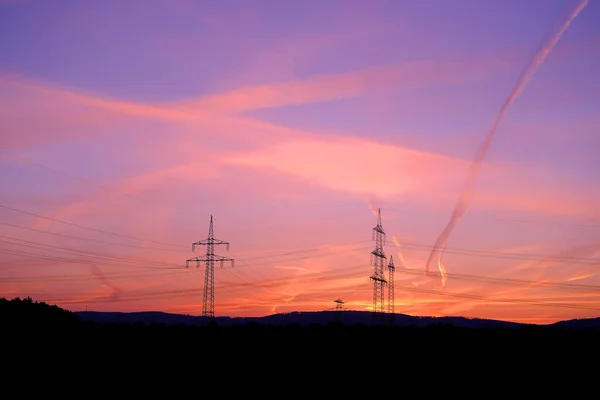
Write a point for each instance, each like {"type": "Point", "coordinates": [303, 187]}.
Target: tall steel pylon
{"type": "Point", "coordinates": [391, 310]}
{"type": "Point", "coordinates": [208, 301]}
{"type": "Point", "coordinates": [378, 258]}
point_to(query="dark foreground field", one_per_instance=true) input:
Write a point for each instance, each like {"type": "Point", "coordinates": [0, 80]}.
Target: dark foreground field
{"type": "Point", "coordinates": [43, 336]}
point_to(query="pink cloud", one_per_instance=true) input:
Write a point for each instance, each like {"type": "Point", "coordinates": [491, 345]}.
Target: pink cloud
{"type": "Point", "coordinates": [343, 85]}
{"type": "Point", "coordinates": [44, 93]}
{"type": "Point", "coordinates": [33, 113]}
{"type": "Point", "coordinates": [355, 166]}
{"type": "Point", "coordinates": [361, 167]}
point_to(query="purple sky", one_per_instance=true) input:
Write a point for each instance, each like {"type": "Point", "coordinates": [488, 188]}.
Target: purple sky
{"type": "Point", "coordinates": [288, 121]}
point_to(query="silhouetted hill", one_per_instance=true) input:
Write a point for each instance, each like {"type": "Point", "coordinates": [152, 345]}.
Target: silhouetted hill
{"type": "Point", "coordinates": [26, 311]}
{"type": "Point", "coordinates": [588, 323]}
{"type": "Point", "coordinates": [320, 318]}
{"type": "Point", "coordinates": [308, 336]}
{"type": "Point", "coordinates": [299, 318]}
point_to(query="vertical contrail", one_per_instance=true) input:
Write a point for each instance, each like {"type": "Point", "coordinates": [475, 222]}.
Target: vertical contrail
{"type": "Point", "coordinates": [463, 199]}
{"type": "Point", "coordinates": [116, 291]}
{"type": "Point", "coordinates": [400, 252]}
{"type": "Point", "coordinates": [441, 267]}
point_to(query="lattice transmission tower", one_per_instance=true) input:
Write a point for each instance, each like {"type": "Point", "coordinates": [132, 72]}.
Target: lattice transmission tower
{"type": "Point", "coordinates": [208, 301]}
{"type": "Point", "coordinates": [378, 258]}
{"type": "Point", "coordinates": [391, 310]}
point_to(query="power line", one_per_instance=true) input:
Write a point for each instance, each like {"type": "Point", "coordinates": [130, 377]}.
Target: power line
{"type": "Point", "coordinates": [78, 252]}
{"type": "Point", "coordinates": [509, 281]}
{"type": "Point", "coordinates": [416, 246]}
{"type": "Point", "coordinates": [87, 227]}
{"type": "Point", "coordinates": [343, 272]}
{"type": "Point", "coordinates": [48, 258]}
{"type": "Point", "coordinates": [592, 223]}
{"type": "Point", "coordinates": [502, 300]}
{"type": "Point", "coordinates": [190, 292]}
{"type": "Point", "coordinates": [412, 245]}
{"type": "Point", "coordinates": [277, 254]}
{"type": "Point", "coordinates": [306, 250]}
{"type": "Point", "coordinates": [87, 239]}
{"type": "Point", "coordinates": [89, 182]}
{"type": "Point", "coordinates": [501, 255]}
{"type": "Point", "coordinates": [126, 236]}
{"type": "Point", "coordinates": [178, 293]}
{"type": "Point", "coordinates": [90, 277]}
{"type": "Point", "coordinates": [457, 276]}
{"type": "Point", "coordinates": [60, 172]}
{"type": "Point", "coordinates": [317, 252]}
{"type": "Point", "coordinates": [286, 259]}
{"type": "Point", "coordinates": [163, 266]}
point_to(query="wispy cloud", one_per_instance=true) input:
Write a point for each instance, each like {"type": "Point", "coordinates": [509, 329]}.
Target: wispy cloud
{"type": "Point", "coordinates": [344, 85]}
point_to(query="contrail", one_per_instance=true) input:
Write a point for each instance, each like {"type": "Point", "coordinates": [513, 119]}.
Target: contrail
{"type": "Point", "coordinates": [373, 209]}
{"type": "Point", "coordinates": [463, 199]}
{"type": "Point", "coordinates": [116, 291]}
{"type": "Point", "coordinates": [442, 268]}
{"type": "Point", "coordinates": [400, 253]}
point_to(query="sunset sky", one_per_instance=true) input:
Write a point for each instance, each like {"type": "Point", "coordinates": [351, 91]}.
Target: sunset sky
{"type": "Point", "coordinates": [124, 125]}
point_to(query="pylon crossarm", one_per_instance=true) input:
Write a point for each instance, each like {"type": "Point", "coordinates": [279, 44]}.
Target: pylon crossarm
{"type": "Point", "coordinates": [210, 241]}
{"type": "Point", "coordinates": [196, 260]}
{"type": "Point", "coordinates": [218, 258]}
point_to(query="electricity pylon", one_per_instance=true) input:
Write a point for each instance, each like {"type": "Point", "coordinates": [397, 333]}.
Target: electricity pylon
{"type": "Point", "coordinates": [378, 258]}
{"type": "Point", "coordinates": [391, 310]}
{"type": "Point", "coordinates": [208, 301]}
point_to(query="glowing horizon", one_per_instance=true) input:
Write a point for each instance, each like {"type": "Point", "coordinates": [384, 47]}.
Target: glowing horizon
{"type": "Point", "coordinates": [120, 139]}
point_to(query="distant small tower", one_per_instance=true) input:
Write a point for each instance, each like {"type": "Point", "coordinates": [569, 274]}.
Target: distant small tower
{"type": "Point", "coordinates": [338, 307]}
{"type": "Point", "coordinates": [391, 311]}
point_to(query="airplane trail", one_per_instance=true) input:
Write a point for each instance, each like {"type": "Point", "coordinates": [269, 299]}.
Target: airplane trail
{"type": "Point", "coordinates": [442, 268]}
{"type": "Point", "coordinates": [116, 291]}
{"type": "Point", "coordinates": [463, 199]}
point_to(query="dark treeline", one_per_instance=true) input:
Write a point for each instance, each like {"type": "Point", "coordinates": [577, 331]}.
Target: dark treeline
{"type": "Point", "coordinates": [54, 346]}
{"type": "Point", "coordinates": [50, 329]}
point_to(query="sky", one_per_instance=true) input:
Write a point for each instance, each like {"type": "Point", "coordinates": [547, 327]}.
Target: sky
{"type": "Point", "coordinates": [125, 125]}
